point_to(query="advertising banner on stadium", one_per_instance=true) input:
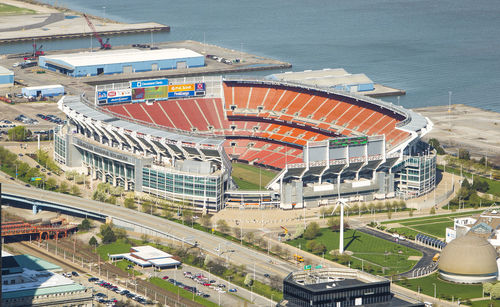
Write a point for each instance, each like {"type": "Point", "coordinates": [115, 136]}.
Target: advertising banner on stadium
{"type": "Point", "coordinates": [102, 95]}
{"type": "Point", "coordinates": [199, 89]}
{"type": "Point", "coordinates": [181, 88]}
{"type": "Point", "coordinates": [148, 83]}
{"type": "Point", "coordinates": [180, 94]}
{"type": "Point", "coordinates": [148, 93]}
{"type": "Point", "coordinates": [123, 95]}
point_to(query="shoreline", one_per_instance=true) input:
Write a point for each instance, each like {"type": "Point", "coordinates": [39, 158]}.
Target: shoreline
{"type": "Point", "coordinates": [465, 127]}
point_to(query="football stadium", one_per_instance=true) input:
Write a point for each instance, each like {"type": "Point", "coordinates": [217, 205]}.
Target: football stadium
{"type": "Point", "coordinates": [176, 139]}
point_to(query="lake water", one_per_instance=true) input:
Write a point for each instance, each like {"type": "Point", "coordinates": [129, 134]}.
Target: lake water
{"type": "Point", "coordinates": [427, 48]}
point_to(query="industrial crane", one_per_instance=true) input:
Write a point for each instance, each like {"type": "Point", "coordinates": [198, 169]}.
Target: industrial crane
{"type": "Point", "coordinates": [104, 45]}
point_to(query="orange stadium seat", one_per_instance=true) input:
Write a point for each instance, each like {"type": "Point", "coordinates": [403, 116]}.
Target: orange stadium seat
{"type": "Point", "coordinates": [241, 96]}
{"type": "Point", "coordinates": [257, 97]}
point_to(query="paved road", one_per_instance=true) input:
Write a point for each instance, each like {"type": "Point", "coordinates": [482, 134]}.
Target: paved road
{"type": "Point", "coordinates": [231, 252]}
{"type": "Point", "coordinates": [424, 264]}
{"type": "Point", "coordinates": [54, 17]}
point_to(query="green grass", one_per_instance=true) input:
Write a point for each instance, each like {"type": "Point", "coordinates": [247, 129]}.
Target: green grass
{"type": "Point", "coordinates": [444, 289]}
{"type": "Point", "coordinates": [117, 247]}
{"type": "Point", "coordinates": [6, 9]}
{"type": "Point", "coordinates": [123, 264]}
{"type": "Point", "coordinates": [378, 251]}
{"type": "Point", "coordinates": [430, 218]}
{"type": "Point", "coordinates": [183, 293]}
{"type": "Point", "coordinates": [248, 177]}
{"type": "Point", "coordinates": [438, 229]}
{"type": "Point", "coordinates": [430, 221]}
{"type": "Point", "coordinates": [486, 303]}
{"type": "Point", "coordinates": [266, 291]}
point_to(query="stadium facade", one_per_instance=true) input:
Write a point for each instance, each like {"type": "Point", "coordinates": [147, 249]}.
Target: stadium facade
{"type": "Point", "coordinates": [176, 139]}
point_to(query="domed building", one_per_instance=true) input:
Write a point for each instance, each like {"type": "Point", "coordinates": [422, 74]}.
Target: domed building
{"type": "Point", "coordinates": [468, 259]}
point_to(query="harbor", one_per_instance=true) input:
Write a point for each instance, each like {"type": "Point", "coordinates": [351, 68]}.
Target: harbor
{"type": "Point", "coordinates": [44, 22]}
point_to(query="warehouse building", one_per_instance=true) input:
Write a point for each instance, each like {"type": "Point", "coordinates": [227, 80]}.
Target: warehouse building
{"type": "Point", "coordinates": [121, 61]}
{"type": "Point", "coordinates": [6, 77]}
{"type": "Point", "coordinates": [43, 91]}
{"type": "Point", "coordinates": [337, 79]}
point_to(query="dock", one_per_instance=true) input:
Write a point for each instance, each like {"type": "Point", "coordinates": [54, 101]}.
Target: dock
{"type": "Point", "coordinates": [47, 23]}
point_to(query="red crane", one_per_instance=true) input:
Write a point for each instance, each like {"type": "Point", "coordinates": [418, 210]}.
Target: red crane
{"type": "Point", "coordinates": [104, 45]}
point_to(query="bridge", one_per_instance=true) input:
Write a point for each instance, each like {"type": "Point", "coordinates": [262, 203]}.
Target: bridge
{"type": "Point", "coordinates": [18, 228]}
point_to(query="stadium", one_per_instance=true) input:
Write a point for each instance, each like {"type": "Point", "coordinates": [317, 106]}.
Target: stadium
{"type": "Point", "coordinates": [176, 139]}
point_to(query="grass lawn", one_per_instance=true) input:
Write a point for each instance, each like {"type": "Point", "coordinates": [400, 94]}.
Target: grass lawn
{"type": "Point", "coordinates": [117, 247]}
{"type": "Point", "coordinates": [437, 229]}
{"type": "Point", "coordinates": [406, 231]}
{"type": "Point", "coordinates": [184, 293]}
{"type": "Point", "coordinates": [431, 218]}
{"type": "Point", "coordinates": [6, 9]}
{"type": "Point", "coordinates": [379, 251]}
{"type": "Point", "coordinates": [486, 303]}
{"type": "Point", "coordinates": [123, 264]}
{"type": "Point", "coordinates": [429, 221]}
{"type": "Point", "coordinates": [248, 177]}
{"type": "Point", "coordinates": [444, 289]}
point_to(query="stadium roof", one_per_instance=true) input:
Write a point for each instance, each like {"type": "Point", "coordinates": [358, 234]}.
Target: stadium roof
{"type": "Point", "coordinates": [75, 104]}
{"type": "Point", "coordinates": [121, 56]}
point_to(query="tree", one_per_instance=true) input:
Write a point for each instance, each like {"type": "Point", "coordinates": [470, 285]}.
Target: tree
{"type": "Point", "coordinates": [19, 133]}
{"type": "Point", "coordinates": [144, 238]}
{"type": "Point", "coordinates": [435, 143]}
{"type": "Point", "coordinates": [299, 231]}
{"type": "Point", "coordinates": [480, 185]}
{"type": "Point", "coordinates": [463, 154]}
{"type": "Point", "coordinates": [187, 216]}
{"type": "Point", "coordinates": [120, 233]}
{"type": "Point", "coordinates": [389, 214]}
{"type": "Point", "coordinates": [433, 210]}
{"type": "Point", "coordinates": [487, 287]}
{"type": "Point", "coordinates": [248, 280]}
{"type": "Point", "coordinates": [238, 233]}
{"type": "Point", "coordinates": [111, 200]}
{"type": "Point", "coordinates": [319, 248]}
{"type": "Point", "coordinates": [410, 213]}
{"type": "Point", "coordinates": [51, 184]}
{"type": "Point", "coordinates": [334, 223]}
{"type": "Point", "coordinates": [206, 221]}
{"type": "Point", "coordinates": [84, 225]}
{"type": "Point", "coordinates": [310, 245]}
{"type": "Point", "coordinates": [311, 231]}
{"type": "Point", "coordinates": [75, 190]}
{"type": "Point", "coordinates": [63, 187]}
{"type": "Point", "coordinates": [108, 235]}
{"type": "Point", "coordinates": [495, 291]}
{"type": "Point", "coordinates": [249, 237]}
{"type": "Point", "coordinates": [146, 206]}
{"type": "Point", "coordinates": [276, 282]}
{"type": "Point", "coordinates": [93, 241]}
{"type": "Point", "coordinates": [222, 226]}
{"type": "Point", "coordinates": [129, 203]}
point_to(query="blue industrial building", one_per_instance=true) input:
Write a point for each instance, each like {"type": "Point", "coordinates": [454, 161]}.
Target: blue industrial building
{"type": "Point", "coordinates": [6, 77]}
{"type": "Point", "coordinates": [43, 91]}
{"type": "Point", "coordinates": [121, 61]}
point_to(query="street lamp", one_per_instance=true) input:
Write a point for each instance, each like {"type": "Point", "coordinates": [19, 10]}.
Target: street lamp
{"type": "Point", "coordinates": [104, 12]}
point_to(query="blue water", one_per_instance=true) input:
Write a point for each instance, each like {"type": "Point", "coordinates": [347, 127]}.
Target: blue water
{"type": "Point", "coordinates": [425, 47]}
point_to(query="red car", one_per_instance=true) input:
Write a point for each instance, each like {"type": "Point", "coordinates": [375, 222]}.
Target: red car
{"type": "Point", "coordinates": [206, 284]}
{"type": "Point", "coordinates": [165, 277]}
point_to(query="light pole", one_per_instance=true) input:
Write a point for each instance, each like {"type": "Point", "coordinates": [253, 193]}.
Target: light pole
{"type": "Point", "coordinates": [434, 289]}
{"type": "Point", "coordinates": [104, 12]}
